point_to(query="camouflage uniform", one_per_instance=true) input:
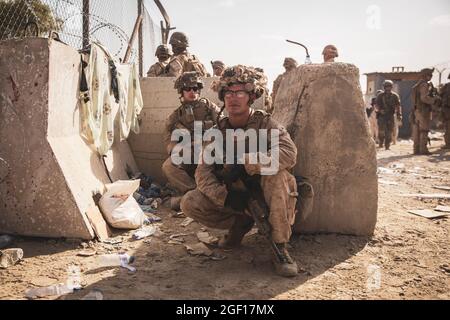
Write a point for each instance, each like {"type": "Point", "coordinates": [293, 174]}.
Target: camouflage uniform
{"type": "Point", "coordinates": [288, 62]}
{"type": "Point", "coordinates": [445, 112]}
{"type": "Point", "coordinates": [182, 177]}
{"type": "Point", "coordinates": [267, 98]}
{"type": "Point", "coordinates": [421, 117]}
{"type": "Point", "coordinates": [388, 105]}
{"type": "Point", "coordinates": [212, 204]}
{"type": "Point", "coordinates": [159, 68]}
{"type": "Point", "coordinates": [182, 61]}
{"type": "Point", "coordinates": [206, 204]}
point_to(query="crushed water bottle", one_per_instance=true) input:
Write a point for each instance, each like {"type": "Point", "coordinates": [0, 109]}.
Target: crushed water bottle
{"type": "Point", "coordinates": [116, 260]}
{"type": "Point", "coordinates": [54, 290]}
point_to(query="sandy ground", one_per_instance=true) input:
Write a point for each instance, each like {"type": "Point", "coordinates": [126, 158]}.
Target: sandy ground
{"type": "Point", "coordinates": [407, 258]}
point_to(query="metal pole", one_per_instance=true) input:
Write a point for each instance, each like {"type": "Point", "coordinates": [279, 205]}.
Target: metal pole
{"type": "Point", "coordinates": [86, 12]}
{"type": "Point", "coordinates": [141, 39]}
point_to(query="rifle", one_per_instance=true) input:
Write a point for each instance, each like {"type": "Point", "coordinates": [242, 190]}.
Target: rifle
{"type": "Point", "coordinates": [256, 205]}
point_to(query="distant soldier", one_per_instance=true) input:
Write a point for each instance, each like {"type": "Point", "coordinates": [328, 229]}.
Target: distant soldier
{"type": "Point", "coordinates": [193, 108]}
{"type": "Point", "coordinates": [218, 68]}
{"type": "Point", "coordinates": [263, 80]}
{"type": "Point", "coordinates": [330, 52]}
{"type": "Point", "coordinates": [289, 65]}
{"type": "Point", "coordinates": [445, 112]}
{"type": "Point", "coordinates": [159, 68]}
{"type": "Point", "coordinates": [423, 101]}
{"type": "Point", "coordinates": [388, 105]}
{"type": "Point", "coordinates": [182, 61]}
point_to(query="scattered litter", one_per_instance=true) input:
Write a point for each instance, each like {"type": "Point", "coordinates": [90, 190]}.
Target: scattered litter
{"type": "Point", "coordinates": [179, 235]}
{"type": "Point", "coordinates": [442, 208]}
{"type": "Point", "coordinates": [87, 253]}
{"type": "Point", "coordinates": [154, 203]}
{"type": "Point", "coordinates": [206, 238]}
{"type": "Point", "coordinates": [151, 218]}
{"type": "Point", "coordinates": [54, 290]}
{"type": "Point", "coordinates": [10, 257]}
{"type": "Point", "coordinates": [148, 209]}
{"type": "Point", "coordinates": [144, 233]}
{"type": "Point", "coordinates": [178, 215]}
{"type": "Point", "coordinates": [425, 176]}
{"type": "Point", "coordinates": [382, 170]}
{"type": "Point", "coordinates": [389, 183]}
{"type": "Point", "coordinates": [5, 241]}
{"type": "Point", "coordinates": [113, 241]}
{"type": "Point", "coordinates": [252, 232]}
{"type": "Point", "coordinates": [442, 188]}
{"type": "Point", "coordinates": [426, 196]}
{"type": "Point", "coordinates": [94, 295]}
{"type": "Point", "coordinates": [187, 222]}
{"type": "Point", "coordinates": [397, 166]}
{"type": "Point", "coordinates": [429, 214]}
{"type": "Point", "coordinates": [217, 257]}
{"type": "Point", "coordinates": [199, 249]}
{"type": "Point", "coordinates": [177, 241]}
{"type": "Point", "coordinates": [115, 260]}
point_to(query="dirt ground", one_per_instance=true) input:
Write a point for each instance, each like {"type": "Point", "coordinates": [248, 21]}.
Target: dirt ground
{"type": "Point", "coordinates": [407, 258]}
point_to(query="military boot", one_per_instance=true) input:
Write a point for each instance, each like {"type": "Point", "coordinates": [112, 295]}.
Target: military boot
{"type": "Point", "coordinates": [241, 226]}
{"type": "Point", "coordinates": [287, 267]}
{"type": "Point", "coordinates": [423, 143]}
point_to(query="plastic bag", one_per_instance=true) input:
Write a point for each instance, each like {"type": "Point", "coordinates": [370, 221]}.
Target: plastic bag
{"type": "Point", "coordinates": [120, 208]}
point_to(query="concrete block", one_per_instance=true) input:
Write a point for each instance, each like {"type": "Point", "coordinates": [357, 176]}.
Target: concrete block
{"type": "Point", "coordinates": [335, 149]}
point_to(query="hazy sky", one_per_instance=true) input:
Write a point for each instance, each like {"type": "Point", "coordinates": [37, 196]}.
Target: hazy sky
{"type": "Point", "coordinates": [374, 35]}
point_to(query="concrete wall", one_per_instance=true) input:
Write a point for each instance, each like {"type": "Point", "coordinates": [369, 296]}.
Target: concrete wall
{"type": "Point", "coordinates": [160, 100]}
{"type": "Point", "coordinates": [53, 172]}
{"type": "Point", "coordinates": [335, 150]}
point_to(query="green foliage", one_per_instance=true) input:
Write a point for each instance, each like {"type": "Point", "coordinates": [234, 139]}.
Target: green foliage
{"type": "Point", "coordinates": [19, 18]}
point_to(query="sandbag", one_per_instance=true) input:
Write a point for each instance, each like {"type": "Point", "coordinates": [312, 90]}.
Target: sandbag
{"type": "Point", "coordinates": [120, 208]}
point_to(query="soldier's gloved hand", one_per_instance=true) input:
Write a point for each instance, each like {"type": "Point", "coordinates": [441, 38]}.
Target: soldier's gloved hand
{"type": "Point", "coordinates": [237, 200]}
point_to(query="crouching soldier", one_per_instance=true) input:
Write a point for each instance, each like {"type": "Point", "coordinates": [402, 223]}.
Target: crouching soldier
{"type": "Point", "coordinates": [192, 109]}
{"type": "Point", "coordinates": [227, 196]}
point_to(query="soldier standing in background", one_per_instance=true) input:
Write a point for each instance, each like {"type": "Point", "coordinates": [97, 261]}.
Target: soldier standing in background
{"type": "Point", "coordinates": [158, 69]}
{"type": "Point", "coordinates": [218, 67]}
{"type": "Point", "coordinates": [445, 112]}
{"type": "Point", "coordinates": [289, 65]}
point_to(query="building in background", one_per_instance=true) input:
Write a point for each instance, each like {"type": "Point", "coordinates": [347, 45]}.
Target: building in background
{"type": "Point", "coordinates": [403, 84]}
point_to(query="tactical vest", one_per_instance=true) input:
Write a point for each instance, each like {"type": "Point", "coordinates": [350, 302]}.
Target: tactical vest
{"type": "Point", "coordinates": [201, 110]}
{"type": "Point", "coordinates": [417, 102]}
{"type": "Point", "coordinates": [193, 64]}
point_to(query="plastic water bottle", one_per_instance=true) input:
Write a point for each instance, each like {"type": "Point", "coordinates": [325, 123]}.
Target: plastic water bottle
{"type": "Point", "coordinates": [116, 260]}
{"type": "Point", "coordinates": [54, 290]}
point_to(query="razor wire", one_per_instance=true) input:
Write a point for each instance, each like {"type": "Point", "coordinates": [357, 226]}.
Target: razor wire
{"type": "Point", "coordinates": [111, 23]}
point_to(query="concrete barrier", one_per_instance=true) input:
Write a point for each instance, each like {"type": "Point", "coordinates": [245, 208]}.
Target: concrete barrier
{"type": "Point", "coordinates": [335, 148]}
{"type": "Point", "coordinates": [48, 174]}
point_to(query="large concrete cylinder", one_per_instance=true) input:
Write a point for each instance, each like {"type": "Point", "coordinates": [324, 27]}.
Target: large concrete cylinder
{"type": "Point", "coordinates": [335, 149]}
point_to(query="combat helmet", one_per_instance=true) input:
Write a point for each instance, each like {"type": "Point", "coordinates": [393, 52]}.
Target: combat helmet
{"type": "Point", "coordinates": [190, 79]}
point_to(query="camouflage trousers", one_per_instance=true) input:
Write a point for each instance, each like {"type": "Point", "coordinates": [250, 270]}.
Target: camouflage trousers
{"type": "Point", "coordinates": [386, 126]}
{"type": "Point", "coordinates": [280, 193]}
{"type": "Point", "coordinates": [180, 178]}
{"type": "Point", "coordinates": [420, 129]}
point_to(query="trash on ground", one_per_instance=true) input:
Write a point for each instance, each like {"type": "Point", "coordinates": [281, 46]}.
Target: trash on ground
{"type": "Point", "coordinates": [386, 182]}
{"type": "Point", "coordinates": [218, 257]}
{"type": "Point", "coordinates": [382, 170]}
{"type": "Point", "coordinates": [252, 232]}
{"type": "Point", "coordinates": [178, 215]}
{"type": "Point", "coordinates": [94, 295]}
{"type": "Point", "coordinates": [445, 188]}
{"type": "Point", "coordinates": [54, 290]}
{"type": "Point", "coordinates": [151, 218]}
{"type": "Point", "coordinates": [87, 253]}
{"type": "Point", "coordinates": [116, 260]}
{"type": "Point", "coordinates": [177, 241]}
{"type": "Point", "coordinates": [429, 214]}
{"type": "Point", "coordinates": [144, 233]}
{"type": "Point", "coordinates": [199, 249]}
{"type": "Point", "coordinates": [187, 222]}
{"type": "Point", "coordinates": [5, 241]}
{"type": "Point", "coordinates": [206, 238]}
{"type": "Point", "coordinates": [397, 166]}
{"type": "Point", "coordinates": [10, 257]}
{"type": "Point", "coordinates": [426, 196]}
{"type": "Point", "coordinates": [442, 208]}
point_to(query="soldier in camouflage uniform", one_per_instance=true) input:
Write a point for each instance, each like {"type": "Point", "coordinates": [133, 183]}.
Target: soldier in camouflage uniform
{"type": "Point", "coordinates": [445, 112]}
{"type": "Point", "coordinates": [264, 81]}
{"type": "Point", "coordinates": [330, 52]}
{"type": "Point", "coordinates": [218, 204]}
{"type": "Point", "coordinates": [182, 61]}
{"type": "Point", "coordinates": [192, 109]}
{"type": "Point", "coordinates": [289, 65]}
{"type": "Point", "coordinates": [159, 68]}
{"type": "Point", "coordinates": [218, 68]}
{"type": "Point", "coordinates": [421, 117]}
{"type": "Point", "coordinates": [388, 106]}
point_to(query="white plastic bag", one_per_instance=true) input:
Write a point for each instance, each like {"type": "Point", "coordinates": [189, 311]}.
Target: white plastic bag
{"type": "Point", "coordinates": [120, 208]}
